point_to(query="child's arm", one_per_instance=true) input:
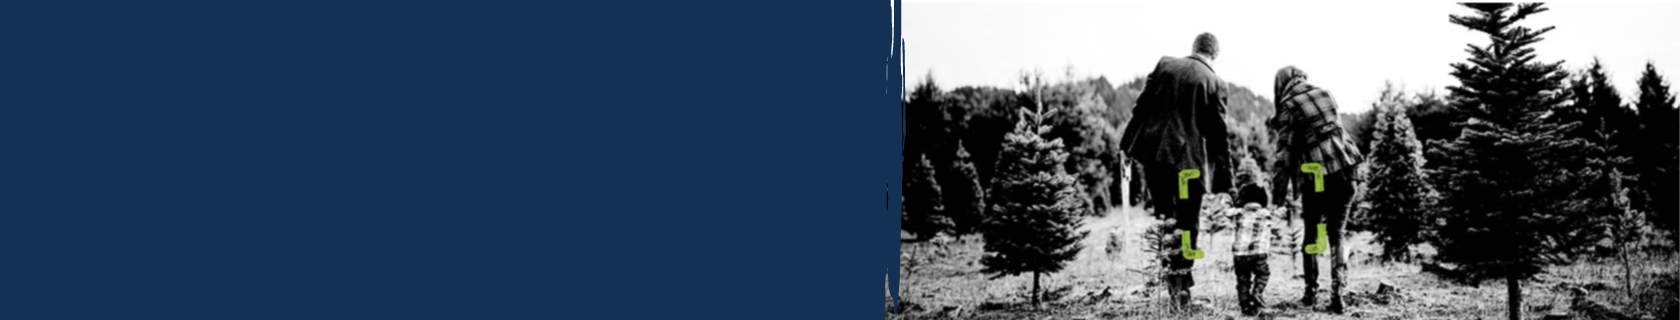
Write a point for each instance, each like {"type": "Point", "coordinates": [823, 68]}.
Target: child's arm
{"type": "Point", "coordinates": [1234, 215]}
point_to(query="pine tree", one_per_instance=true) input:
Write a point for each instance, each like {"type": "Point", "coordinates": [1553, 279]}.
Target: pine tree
{"type": "Point", "coordinates": [1033, 226]}
{"type": "Point", "coordinates": [1399, 189]}
{"type": "Point", "coordinates": [1594, 98]}
{"type": "Point", "coordinates": [923, 120]}
{"type": "Point", "coordinates": [1434, 118]}
{"type": "Point", "coordinates": [1599, 198]}
{"type": "Point", "coordinates": [966, 202]}
{"type": "Point", "coordinates": [1656, 158]}
{"type": "Point", "coordinates": [922, 212]}
{"type": "Point", "coordinates": [1505, 174]}
{"type": "Point", "coordinates": [1629, 230]}
{"type": "Point", "coordinates": [1603, 119]}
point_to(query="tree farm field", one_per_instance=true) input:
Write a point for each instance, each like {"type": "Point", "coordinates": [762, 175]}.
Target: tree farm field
{"type": "Point", "coordinates": [1111, 279]}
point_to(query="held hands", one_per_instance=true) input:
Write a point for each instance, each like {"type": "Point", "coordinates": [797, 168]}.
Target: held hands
{"type": "Point", "coordinates": [1218, 204]}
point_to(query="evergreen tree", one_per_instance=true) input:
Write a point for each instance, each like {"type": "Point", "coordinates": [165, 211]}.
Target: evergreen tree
{"type": "Point", "coordinates": [1599, 198]}
{"type": "Point", "coordinates": [1033, 226]}
{"type": "Point", "coordinates": [1080, 121]}
{"type": "Point", "coordinates": [922, 213]}
{"type": "Point", "coordinates": [1399, 189]}
{"type": "Point", "coordinates": [1505, 174]}
{"type": "Point", "coordinates": [932, 122]}
{"type": "Point", "coordinates": [924, 120]}
{"type": "Point", "coordinates": [1606, 127]}
{"type": "Point", "coordinates": [1598, 108]}
{"type": "Point", "coordinates": [1629, 230]}
{"type": "Point", "coordinates": [1657, 155]}
{"type": "Point", "coordinates": [966, 202]}
{"type": "Point", "coordinates": [1361, 128]}
{"type": "Point", "coordinates": [1434, 119]}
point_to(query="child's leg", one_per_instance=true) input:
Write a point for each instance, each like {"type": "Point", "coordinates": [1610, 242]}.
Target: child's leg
{"type": "Point", "coordinates": [1244, 282]}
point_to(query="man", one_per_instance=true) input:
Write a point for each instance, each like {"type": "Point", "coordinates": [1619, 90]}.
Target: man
{"type": "Point", "coordinates": [1306, 131]}
{"type": "Point", "coordinates": [1178, 124]}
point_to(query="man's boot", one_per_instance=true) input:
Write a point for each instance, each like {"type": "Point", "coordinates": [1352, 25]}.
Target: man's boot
{"type": "Point", "coordinates": [1175, 292]}
{"type": "Point", "coordinates": [1181, 292]}
{"type": "Point", "coordinates": [1186, 298]}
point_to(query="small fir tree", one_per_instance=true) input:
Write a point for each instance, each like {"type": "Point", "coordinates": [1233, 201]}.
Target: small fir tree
{"type": "Point", "coordinates": [1033, 226]}
{"type": "Point", "coordinates": [966, 203]}
{"type": "Point", "coordinates": [1399, 192]}
{"type": "Point", "coordinates": [922, 212]}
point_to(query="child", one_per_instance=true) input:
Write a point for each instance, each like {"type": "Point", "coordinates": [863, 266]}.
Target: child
{"type": "Point", "coordinates": [1254, 226]}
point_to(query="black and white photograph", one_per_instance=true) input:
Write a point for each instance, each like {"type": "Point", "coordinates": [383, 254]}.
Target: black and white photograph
{"type": "Point", "coordinates": [1289, 160]}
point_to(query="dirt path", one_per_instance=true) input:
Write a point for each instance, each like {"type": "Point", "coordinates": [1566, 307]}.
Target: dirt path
{"type": "Point", "coordinates": [950, 285]}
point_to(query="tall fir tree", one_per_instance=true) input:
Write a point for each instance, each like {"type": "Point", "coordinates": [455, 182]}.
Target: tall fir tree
{"type": "Point", "coordinates": [923, 211]}
{"type": "Point", "coordinates": [1657, 156]}
{"type": "Point", "coordinates": [1033, 226]}
{"type": "Point", "coordinates": [1505, 178]}
{"type": "Point", "coordinates": [1399, 194]}
{"type": "Point", "coordinates": [966, 203]}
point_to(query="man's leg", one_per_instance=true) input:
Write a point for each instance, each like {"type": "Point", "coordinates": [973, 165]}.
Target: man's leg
{"type": "Point", "coordinates": [1341, 194]}
{"type": "Point", "coordinates": [1162, 182]}
{"type": "Point", "coordinates": [1188, 218]}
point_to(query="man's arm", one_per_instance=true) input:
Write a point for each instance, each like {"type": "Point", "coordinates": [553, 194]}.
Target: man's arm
{"type": "Point", "coordinates": [1142, 111]}
{"type": "Point", "coordinates": [1215, 133]}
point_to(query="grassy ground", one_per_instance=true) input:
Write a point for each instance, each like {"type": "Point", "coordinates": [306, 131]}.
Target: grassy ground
{"type": "Point", "coordinates": [949, 285]}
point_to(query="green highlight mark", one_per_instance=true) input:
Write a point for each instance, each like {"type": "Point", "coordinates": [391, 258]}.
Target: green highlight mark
{"type": "Point", "coordinates": [1184, 177]}
{"type": "Point", "coordinates": [1189, 252]}
{"type": "Point", "coordinates": [1318, 174]}
{"type": "Point", "coordinates": [1323, 242]}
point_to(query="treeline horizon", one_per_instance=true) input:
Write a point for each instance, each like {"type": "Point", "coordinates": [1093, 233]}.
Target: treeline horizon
{"type": "Point", "coordinates": [1093, 113]}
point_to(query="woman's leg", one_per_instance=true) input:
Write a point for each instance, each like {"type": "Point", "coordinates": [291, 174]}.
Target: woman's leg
{"type": "Point", "coordinates": [1340, 191]}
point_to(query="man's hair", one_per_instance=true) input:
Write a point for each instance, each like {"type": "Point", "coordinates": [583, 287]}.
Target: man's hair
{"type": "Point", "coordinates": [1208, 45]}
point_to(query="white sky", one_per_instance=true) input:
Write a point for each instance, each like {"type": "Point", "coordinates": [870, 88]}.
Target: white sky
{"type": "Point", "coordinates": [1347, 47]}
